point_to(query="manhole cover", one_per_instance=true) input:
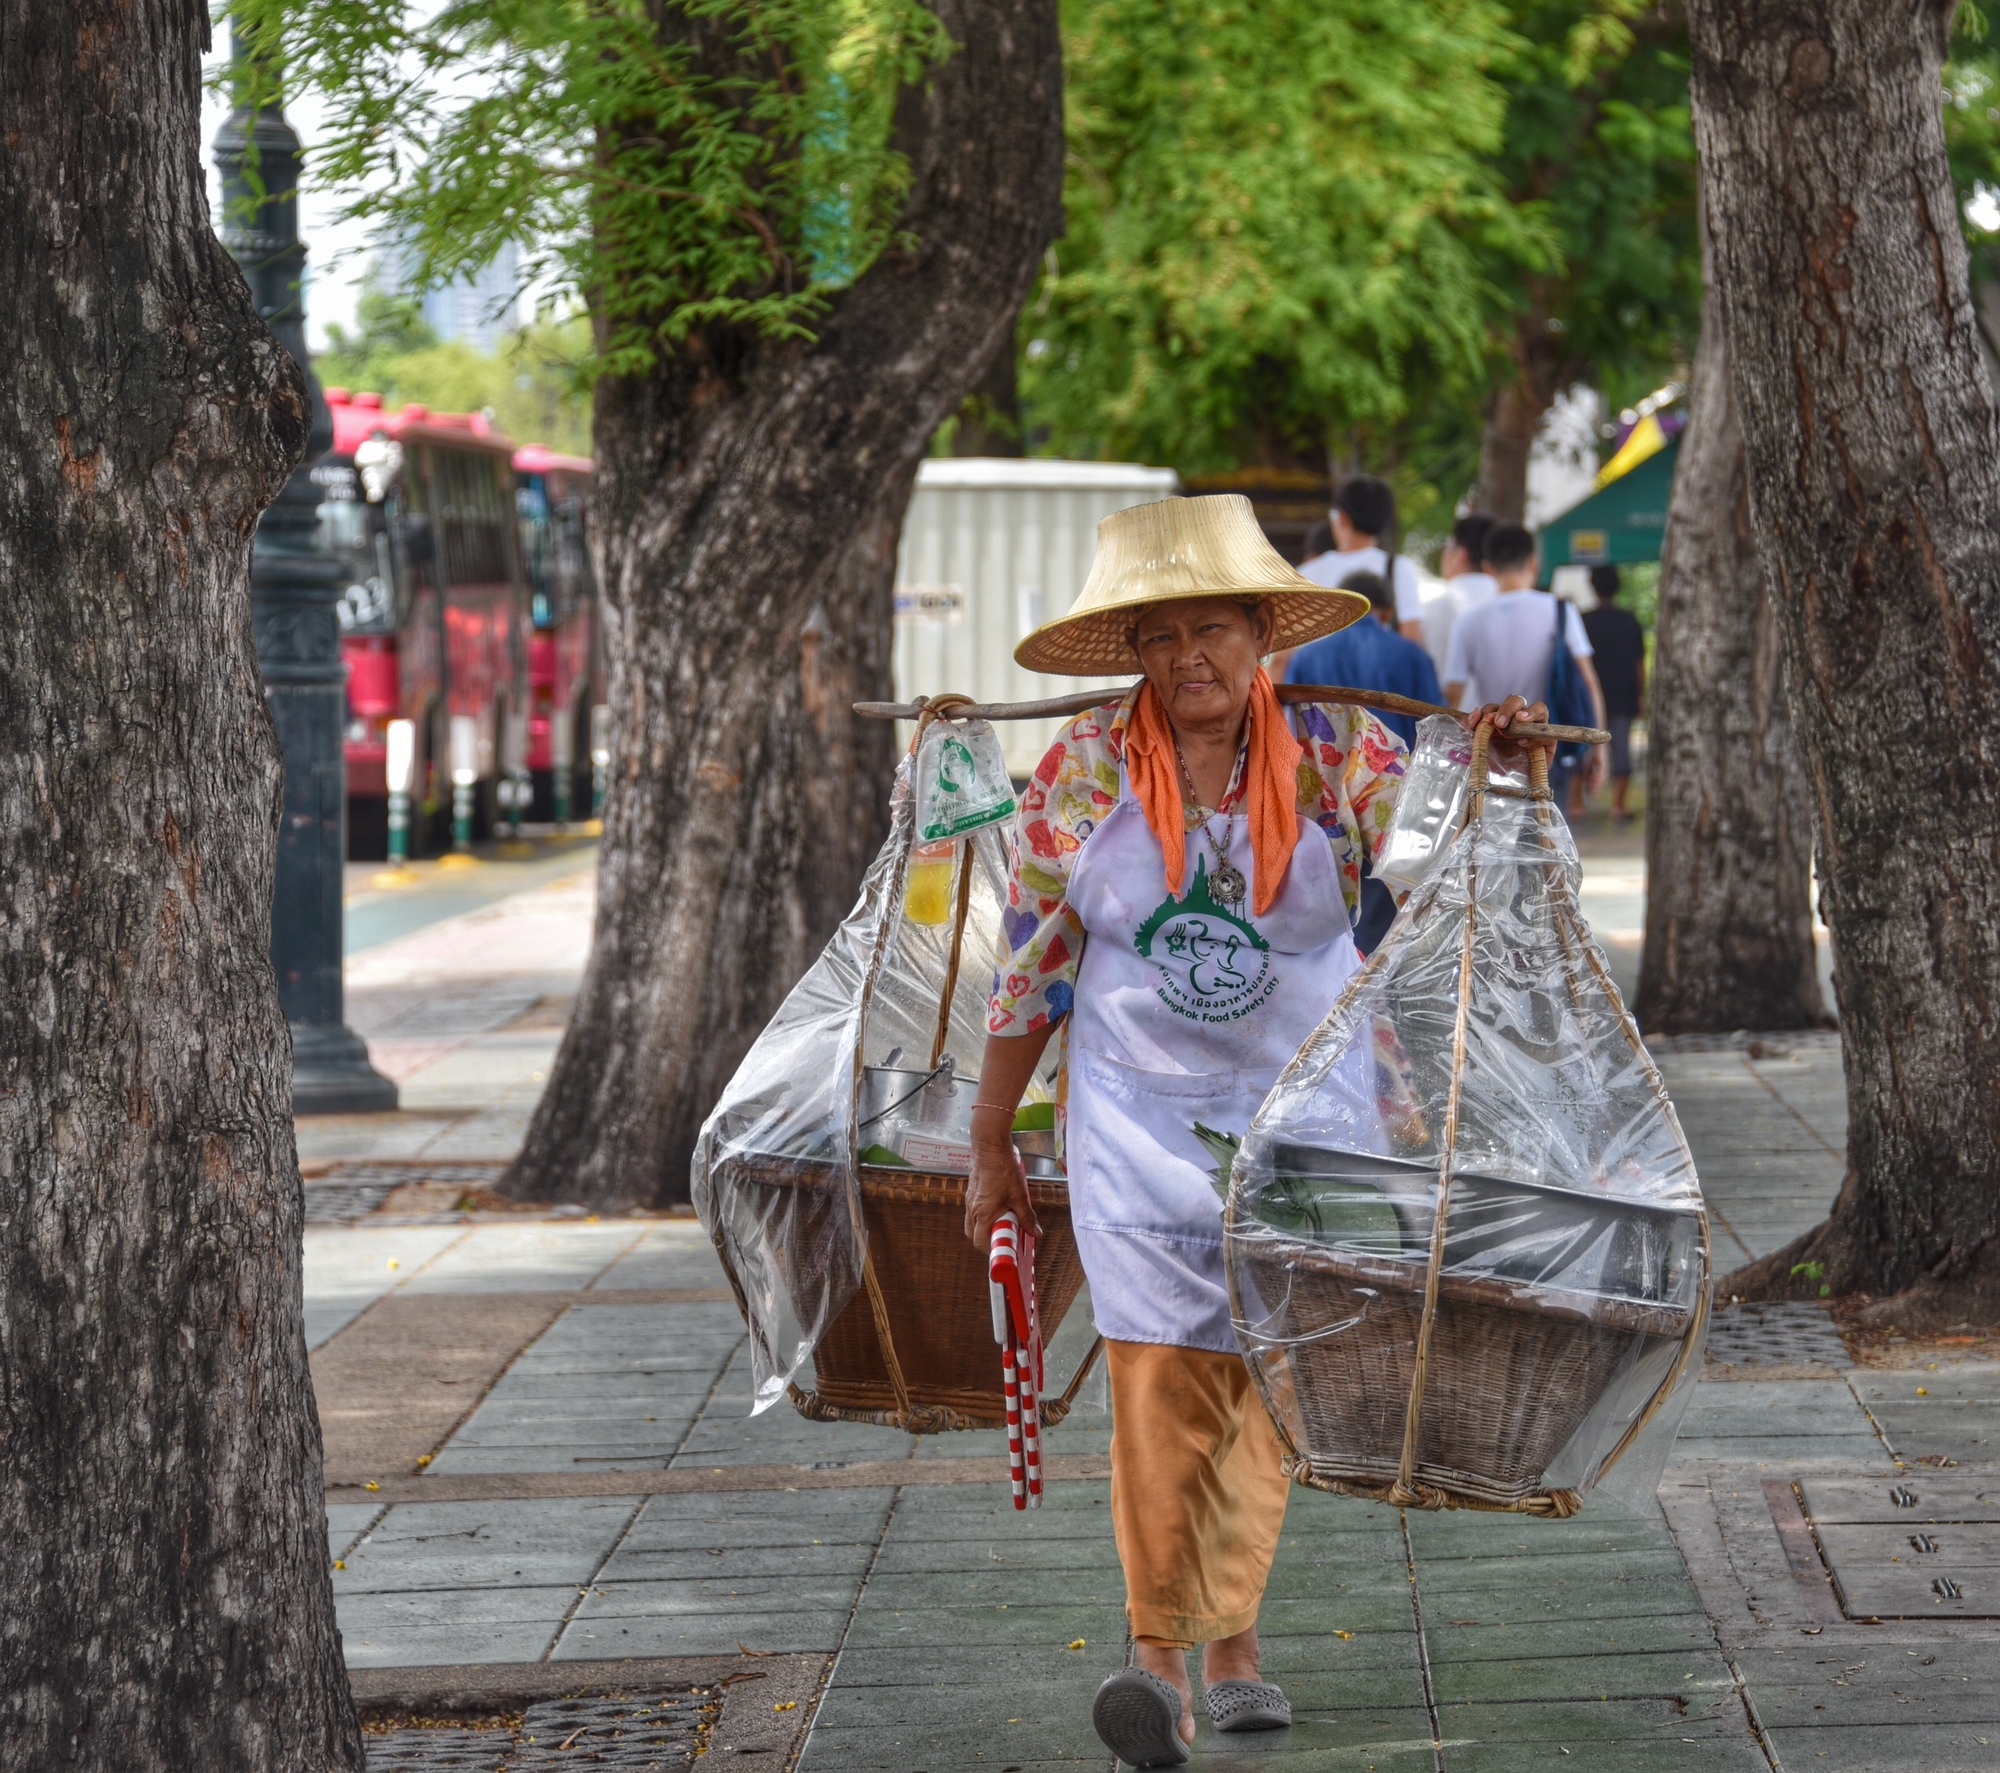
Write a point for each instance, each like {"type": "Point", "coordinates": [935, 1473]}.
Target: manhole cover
{"type": "Point", "coordinates": [643, 1733]}
{"type": "Point", "coordinates": [1910, 1547]}
{"type": "Point", "coordinates": [1794, 1333]}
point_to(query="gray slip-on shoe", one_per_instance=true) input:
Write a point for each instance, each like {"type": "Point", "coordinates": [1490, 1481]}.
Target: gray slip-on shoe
{"type": "Point", "coordinates": [1137, 1716]}
{"type": "Point", "coordinates": [1247, 1705]}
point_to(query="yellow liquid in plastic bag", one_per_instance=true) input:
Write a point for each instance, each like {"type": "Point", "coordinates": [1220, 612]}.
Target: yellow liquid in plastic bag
{"type": "Point", "coordinates": [927, 886]}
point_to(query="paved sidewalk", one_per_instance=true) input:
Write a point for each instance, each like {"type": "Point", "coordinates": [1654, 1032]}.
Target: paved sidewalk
{"type": "Point", "coordinates": [543, 1481]}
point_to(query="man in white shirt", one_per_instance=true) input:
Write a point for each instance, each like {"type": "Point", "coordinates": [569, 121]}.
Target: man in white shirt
{"type": "Point", "coordinates": [1508, 643]}
{"type": "Point", "coordinates": [1466, 587]}
{"type": "Point", "coordinates": [1363, 510]}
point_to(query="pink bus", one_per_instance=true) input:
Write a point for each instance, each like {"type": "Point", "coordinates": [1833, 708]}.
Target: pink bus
{"type": "Point", "coordinates": [436, 620]}
{"type": "Point", "coordinates": [565, 651]}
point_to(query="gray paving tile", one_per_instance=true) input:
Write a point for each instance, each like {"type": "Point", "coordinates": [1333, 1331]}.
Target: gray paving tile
{"type": "Point", "coordinates": [763, 1518]}
{"type": "Point", "coordinates": [727, 1434]}
{"type": "Point", "coordinates": [604, 1386]}
{"type": "Point", "coordinates": [347, 1268]}
{"type": "Point", "coordinates": [657, 1627]}
{"type": "Point", "coordinates": [900, 1622]}
{"type": "Point", "coordinates": [485, 1545]}
{"type": "Point", "coordinates": [441, 1626]}
{"type": "Point", "coordinates": [1890, 1748]}
{"type": "Point", "coordinates": [677, 1254]}
{"type": "Point", "coordinates": [540, 1257]}
{"type": "Point", "coordinates": [346, 1522]}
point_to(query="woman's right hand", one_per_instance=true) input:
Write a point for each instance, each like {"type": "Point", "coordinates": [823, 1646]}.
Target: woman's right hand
{"type": "Point", "coordinates": [997, 1185]}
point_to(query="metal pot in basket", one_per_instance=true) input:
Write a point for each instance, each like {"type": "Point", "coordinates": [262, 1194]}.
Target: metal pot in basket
{"type": "Point", "coordinates": [925, 1117]}
{"type": "Point", "coordinates": [1533, 1233]}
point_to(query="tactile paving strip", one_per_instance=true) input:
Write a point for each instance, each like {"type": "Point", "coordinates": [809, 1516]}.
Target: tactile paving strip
{"type": "Point", "coordinates": [1794, 1333]}
{"type": "Point", "coordinates": [642, 1733]}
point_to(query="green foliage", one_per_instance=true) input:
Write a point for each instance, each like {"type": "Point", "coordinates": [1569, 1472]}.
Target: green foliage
{"type": "Point", "coordinates": [1318, 234]}
{"type": "Point", "coordinates": [1600, 150]}
{"type": "Point", "coordinates": [727, 161]}
{"type": "Point", "coordinates": [1274, 221]}
{"type": "Point", "coordinates": [535, 385]}
{"type": "Point", "coordinates": [1972, 135]}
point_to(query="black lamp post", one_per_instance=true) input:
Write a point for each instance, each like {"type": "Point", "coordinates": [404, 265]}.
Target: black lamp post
{"type": "Point", "coordinates": [293, 591]}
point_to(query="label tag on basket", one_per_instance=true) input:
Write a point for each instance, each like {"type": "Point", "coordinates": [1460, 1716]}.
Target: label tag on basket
{"type": "Point", "coordinates": [943, 1155]}
{"type": "Point", "coordinates": [962, 780]}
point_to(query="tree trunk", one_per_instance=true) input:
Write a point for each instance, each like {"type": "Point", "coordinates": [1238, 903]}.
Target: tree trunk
{"type": "Point", "coordinates": [1512, 417]}
{"type": "Point", "coordinates": [989, 418]}
{"type": "Point", "coordinates": [750, 495]}
{"type": "Point", "coordinates": [165, 1600]}
{"type": "Point", "coordinates": [1874, 461]}
{"type": "Point", "coordinates": [1729, 938]}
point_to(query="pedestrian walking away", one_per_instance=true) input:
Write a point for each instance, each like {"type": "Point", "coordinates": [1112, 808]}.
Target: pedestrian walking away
{"type": "Point", "coordinates": [1467, 585]}
{"type": "Point", "coordinates": [1371, 655]}
{"type": "Point", "coordinates": [1618, 654]}
{"type": "Point", "coordinates": [1363, 520]}
{"type": "Point", "coordinates": [1507, 644]}
{"type": "Point", "coordinates": [1186, 867]}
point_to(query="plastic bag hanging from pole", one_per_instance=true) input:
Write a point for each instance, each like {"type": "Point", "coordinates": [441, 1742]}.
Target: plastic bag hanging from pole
{"type": "Point", "coordinates": [1467, 1254]}
{"type": "Point", "coordinates": [831, 1174]}
{"type": "Point", "coordinates": [962, 780]}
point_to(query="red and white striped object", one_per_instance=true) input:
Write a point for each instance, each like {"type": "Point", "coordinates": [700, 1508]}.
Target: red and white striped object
{"type": "Point", "coordinates": [1010, 1272]}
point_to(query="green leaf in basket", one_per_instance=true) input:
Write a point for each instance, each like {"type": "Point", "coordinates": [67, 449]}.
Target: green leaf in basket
{"type": "Point", "coordinates": [1036, 1117]}
{"type": "Point", "coordinates": [1221, 1147]}
{"type": "Point", "coordinates": [882, 1155]}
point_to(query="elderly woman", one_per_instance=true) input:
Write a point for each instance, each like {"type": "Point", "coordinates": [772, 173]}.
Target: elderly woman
{"type": "Point", "coordinates": [1187, 866]}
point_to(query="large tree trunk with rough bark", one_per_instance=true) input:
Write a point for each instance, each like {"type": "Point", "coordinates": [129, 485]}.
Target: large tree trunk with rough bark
{"type": "Point", "coordinates": [165, 1601]}
{"type": "Point", "coordinates": [749, 498]}
{"type": "Point", "coordinates": [1729, 938]}
{"type": "Point", "coordinates": [1513, 415]}
{"type": "Point", "coordinates": [1874, 458]}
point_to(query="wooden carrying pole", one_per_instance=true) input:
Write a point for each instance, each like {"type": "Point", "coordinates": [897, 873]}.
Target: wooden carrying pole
{"type": "Point", "coordinates": [1084, 700]}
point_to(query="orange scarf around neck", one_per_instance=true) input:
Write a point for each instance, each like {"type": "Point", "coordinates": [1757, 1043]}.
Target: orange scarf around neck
{"type": "Point", "coordinates": [1270, 786]}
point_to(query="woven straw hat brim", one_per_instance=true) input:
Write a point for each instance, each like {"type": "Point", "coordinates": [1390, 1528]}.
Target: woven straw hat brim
{"type": "Point", "coordinates": [1173, 551]}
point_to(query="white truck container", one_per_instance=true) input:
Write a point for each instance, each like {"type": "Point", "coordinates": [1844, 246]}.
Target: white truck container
{"type": "Point", "coordinates": [992, 549]}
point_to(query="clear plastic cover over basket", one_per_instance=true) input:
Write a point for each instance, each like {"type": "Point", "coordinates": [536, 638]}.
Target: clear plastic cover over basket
{"type": "Point", "coordinates": [852, 1111]}
{"type": "Point", "coordinates": [1466, 1247]}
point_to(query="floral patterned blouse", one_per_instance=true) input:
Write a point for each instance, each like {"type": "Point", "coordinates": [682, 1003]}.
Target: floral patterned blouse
{"type": "Point", "coordinates": [1348, 779]}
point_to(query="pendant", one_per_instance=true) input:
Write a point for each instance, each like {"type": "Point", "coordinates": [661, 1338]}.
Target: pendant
{"type": "Point", "coordinates": [1227, 884]}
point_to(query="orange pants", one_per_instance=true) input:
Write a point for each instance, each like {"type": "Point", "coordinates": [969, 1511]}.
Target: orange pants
{"type": "Point", "coordinates": [1197, 1493]}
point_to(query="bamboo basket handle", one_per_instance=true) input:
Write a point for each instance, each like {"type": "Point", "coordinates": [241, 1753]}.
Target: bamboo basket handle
{"type": "Point", "coordinates": [1082, 703]}
{"type": "Point", "coordinates": [1404, 1490]}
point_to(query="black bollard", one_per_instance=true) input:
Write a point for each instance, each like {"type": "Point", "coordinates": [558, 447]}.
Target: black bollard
{"type": "Point", "coordinates": [293, 591]}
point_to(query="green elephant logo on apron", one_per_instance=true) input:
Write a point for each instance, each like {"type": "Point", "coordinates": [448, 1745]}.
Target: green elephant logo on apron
{"type": "Point", "coordinates": [1213, 965]}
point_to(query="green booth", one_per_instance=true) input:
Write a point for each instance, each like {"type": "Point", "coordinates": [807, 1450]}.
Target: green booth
{"type": "Point", "coordinates": [1624, 521]}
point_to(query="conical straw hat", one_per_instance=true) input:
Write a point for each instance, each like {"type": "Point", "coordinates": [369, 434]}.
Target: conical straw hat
{"type": "Point", "coordinates": [1173, 549]}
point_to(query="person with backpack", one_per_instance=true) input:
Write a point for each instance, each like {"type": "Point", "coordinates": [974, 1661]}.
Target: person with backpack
{"type": "Point", "coordinates": [1619, 658]}
{"type": "Point", "coordinates": [1510, 645]}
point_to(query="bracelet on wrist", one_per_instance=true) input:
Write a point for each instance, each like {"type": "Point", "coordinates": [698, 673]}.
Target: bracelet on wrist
{"type": "Point", "coordinates": [993, 1108]}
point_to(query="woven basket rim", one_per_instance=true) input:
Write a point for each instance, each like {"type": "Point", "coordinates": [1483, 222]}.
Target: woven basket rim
{"type": "Point", "coordinates": [1648, 1317]}
{"type": "Point", "coordinates": [880, 1181]}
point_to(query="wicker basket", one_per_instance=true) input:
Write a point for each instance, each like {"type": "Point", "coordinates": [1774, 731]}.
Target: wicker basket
{"type": "Point", "coordinates": [1514, 1369]}
{"type": "Point", "coordinates": [935, 1295]}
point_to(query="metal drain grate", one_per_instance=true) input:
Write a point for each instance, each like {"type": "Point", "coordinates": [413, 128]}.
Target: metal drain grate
{"type": "Point", "coordinates": [648, 1734]}
{"type": "Point", "coordinates": [1794, 1333]}
{"type": "Point", "coordinates": [643, 1733]}
{"type": "Point", "coordinates": [439, 1750]}
{"type": "Point", "coordinates": [351, 1191]}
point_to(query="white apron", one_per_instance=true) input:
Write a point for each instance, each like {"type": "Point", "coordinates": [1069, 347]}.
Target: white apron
{"type": "Point", "coordinates": [1185, 1011]}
